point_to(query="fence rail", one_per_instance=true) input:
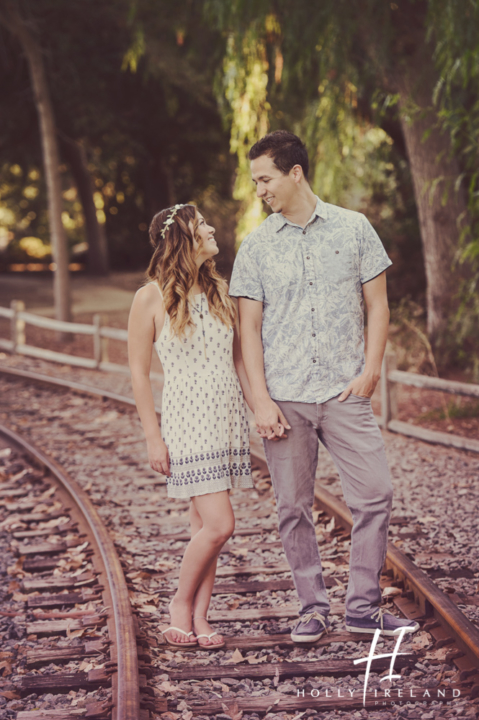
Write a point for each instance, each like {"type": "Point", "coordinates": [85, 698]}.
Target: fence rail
{"type": "Point", "coordinates": [101, 334]}
{"type": "Point", "coordinates": [390, 376]}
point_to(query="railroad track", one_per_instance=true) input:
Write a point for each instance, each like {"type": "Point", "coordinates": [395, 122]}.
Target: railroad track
{"type": "Point", "coordinates": [262, 654]}
{"type": "Point", "coordinates": [39, 500]}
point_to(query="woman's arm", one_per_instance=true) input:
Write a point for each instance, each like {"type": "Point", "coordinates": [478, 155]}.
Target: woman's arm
{"type": "Point", "coordinates": [270, 421]}
{"type": "Point", "coordinates": [241, 371]}
{"type": "Point", "coordinates": [147, 304]}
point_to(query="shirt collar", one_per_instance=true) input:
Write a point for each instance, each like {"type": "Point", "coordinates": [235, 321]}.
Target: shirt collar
{"type": "Point", "coordinates": [319, 211]}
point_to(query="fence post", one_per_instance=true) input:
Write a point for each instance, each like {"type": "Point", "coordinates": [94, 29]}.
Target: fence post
{"type": "Point", "coordinates": [97, 339]}
{"type": "Point", "coordinates": [17, 326]}
{"type": "Point", "coordinates": [104, 341]}
{"type": "Point", "coordinates": [389, 408]}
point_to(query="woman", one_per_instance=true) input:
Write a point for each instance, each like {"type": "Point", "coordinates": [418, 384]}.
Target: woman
{"type": "Point", "coordinates": [203, 444]}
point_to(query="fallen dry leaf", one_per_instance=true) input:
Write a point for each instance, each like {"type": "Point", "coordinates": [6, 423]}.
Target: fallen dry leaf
{"type": "Point", "coordinates": [253, 660]}
{"type": "Point", "coordinates": [48, 493]}
{"type": "Point", "coordinates": [391, 592]}
{"type": "Point", "coordinates": [75, 633]}
{"type": "Point", "coordinates": [437, 654]}
{"type": "Point", "coordinates": [167, 687]}
{"type": "Point", "coordinates": [17, 568]}
{"type": "Point", "coordinates": [6, 667]}
{"type": "Point", "coordinates": [9, 695]}
{"type": "Point", "coordinates": [237, 657]}
{"type": "Point", "coordinates": [328, 564]}
{"type": "Point", "coordinates": [232, 709]}
{"type": "Point", "coordinates": [146, 608]}
{"type": "Point", "coordinates": [331, 525]}
{"type": "Point", "coordinates": [421, 640]}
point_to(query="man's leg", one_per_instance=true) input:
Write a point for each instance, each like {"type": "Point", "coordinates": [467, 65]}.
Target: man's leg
{"type": "Point", "coordinates": [351, 435]}
{"type": "Point", "coordinates": [292, 463]}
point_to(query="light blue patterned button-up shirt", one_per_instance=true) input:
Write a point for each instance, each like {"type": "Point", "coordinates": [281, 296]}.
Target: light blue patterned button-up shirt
{"type": "Point", "coordinates": [310, 283]}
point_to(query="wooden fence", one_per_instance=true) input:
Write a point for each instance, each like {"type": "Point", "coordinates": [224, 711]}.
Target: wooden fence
{"type": "Point", "coordinates": [101, 335]}
{"type": "Point", "coordinates": [390, 376]}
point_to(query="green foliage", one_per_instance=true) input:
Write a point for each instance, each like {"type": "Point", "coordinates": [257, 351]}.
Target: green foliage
{"type": "Point", "coordinates": [331, 71]}
{"type": "Point", "coordinates": [134, 83]}
{"type": "Point", "coordinates": [245, 82]}
{"type": "Point", "coordinates": [455, 28]}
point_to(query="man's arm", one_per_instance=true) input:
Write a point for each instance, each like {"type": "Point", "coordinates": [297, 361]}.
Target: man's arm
{"type": "Point", "coordinates": [270, 421]}
{"type": "Point", "coordinates": [375, 297]}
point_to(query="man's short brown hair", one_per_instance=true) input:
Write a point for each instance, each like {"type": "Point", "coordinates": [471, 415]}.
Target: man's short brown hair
{"type": "Point", "coordinates": [285, 149]}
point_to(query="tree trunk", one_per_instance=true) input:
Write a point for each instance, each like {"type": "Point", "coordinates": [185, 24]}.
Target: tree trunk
{"type": "Point", "coordinates": [74, 153]}
{"type": "Point", "coordinates": [61, 280]}
{"type": "Point", "coordinates": [442, 210]}
{"type": "Point", "coordinates": [405, 65]}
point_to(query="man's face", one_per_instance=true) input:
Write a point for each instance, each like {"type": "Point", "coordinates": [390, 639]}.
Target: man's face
{"type": "Point", "coordinates": [272, 186]}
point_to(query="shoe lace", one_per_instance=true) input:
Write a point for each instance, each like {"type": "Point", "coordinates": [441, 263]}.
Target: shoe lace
{"type": "Point", "coordinates": [379, 616]}
{"type": "Point", "coordinates": [315, 615]}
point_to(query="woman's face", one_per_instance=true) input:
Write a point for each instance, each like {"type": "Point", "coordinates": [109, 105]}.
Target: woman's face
{"type": "Point", "coordinates": [205, 246]}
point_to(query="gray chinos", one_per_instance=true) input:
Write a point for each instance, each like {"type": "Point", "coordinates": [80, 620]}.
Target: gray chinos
{"type": "Point", "coordinates": [350, 433]}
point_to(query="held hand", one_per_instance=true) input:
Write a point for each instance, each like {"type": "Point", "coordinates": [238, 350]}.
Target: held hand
{"type": "Point", "coordinates": [270, 421]}
{"type": "Point", "coordinates": [362, 386]}
{"type": "Point", "coordinates": [158, 457]}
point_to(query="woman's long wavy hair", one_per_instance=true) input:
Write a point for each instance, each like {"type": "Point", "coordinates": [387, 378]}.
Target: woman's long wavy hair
{"type": "Point", "coordinates": [173, 266]}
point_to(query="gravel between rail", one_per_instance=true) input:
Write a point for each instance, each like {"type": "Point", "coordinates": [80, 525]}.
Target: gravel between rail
{"type": "Point", "coordinates": [102, 446]}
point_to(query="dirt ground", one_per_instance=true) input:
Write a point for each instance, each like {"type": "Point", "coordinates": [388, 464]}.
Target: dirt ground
{"type": "Point", "coordinates": [112, 297]}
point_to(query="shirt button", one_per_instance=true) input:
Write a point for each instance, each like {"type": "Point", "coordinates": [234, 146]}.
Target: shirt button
{"type": "Point", "coordinates": [314, 334]}
{"type": "Point", "coordinates": [314, 359]}
{"type": "Point", "coordinates": [304, 232]}
{"type": "Point", "coordinates": [312, 309]}
{"type": "Point", "coordinates": [307, 257]}
{"type": "Point", "coordinates": [310, 283]}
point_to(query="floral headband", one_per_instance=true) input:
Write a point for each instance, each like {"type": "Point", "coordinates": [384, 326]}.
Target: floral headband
{"type": "Point", "coordinates": [170, 220]}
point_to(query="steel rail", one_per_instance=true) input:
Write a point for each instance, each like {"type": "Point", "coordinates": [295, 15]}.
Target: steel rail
{"type": "Point", "coordinates": [431, 600]}
{"type": "Point", "coordinates": [42, 379]}
{"type": "Point", "coordinates": [126, 700]}
{"type": "Point", "coordinates": [429, 597]}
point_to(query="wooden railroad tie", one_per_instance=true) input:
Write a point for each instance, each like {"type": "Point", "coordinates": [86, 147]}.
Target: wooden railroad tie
{"type": "Point", "coordinates": [328, 668]}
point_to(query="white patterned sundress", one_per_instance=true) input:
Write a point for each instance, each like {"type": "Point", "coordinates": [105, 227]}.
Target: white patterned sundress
{"type": "Point", "coordinates": [203, 419]}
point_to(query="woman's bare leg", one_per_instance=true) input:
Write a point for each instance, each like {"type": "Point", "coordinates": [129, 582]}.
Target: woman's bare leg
{"type": "Point", "coordinates": [199, 560]}
{"type": "Point", "coordinates": [203, 593]}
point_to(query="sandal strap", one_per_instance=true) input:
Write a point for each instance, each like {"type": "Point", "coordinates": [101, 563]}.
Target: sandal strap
{"type": "Point", "coordinates": [183, 632]}
{"type": "Point", "coordinates": [207, 636]}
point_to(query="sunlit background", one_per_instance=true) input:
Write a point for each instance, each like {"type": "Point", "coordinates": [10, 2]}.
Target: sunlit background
{"type": "Point", "coordinates": [157, 102]}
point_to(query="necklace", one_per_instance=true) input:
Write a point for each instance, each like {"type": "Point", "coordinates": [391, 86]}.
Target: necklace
{"type": "Point", "coordinates": [199, 310]}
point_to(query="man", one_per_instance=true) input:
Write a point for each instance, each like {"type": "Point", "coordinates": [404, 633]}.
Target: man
{"type": "Point", "coordinates": [302, 278]}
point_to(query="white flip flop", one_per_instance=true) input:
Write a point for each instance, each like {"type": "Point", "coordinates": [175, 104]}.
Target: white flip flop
{"type": "Point", "coordinates": [179, 644]}
{"type": "Point", "coordinates": [211, 646]}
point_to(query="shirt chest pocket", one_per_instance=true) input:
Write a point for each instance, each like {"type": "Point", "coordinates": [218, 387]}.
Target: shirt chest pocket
{"type": "Point", "coordinates": [339, 265]}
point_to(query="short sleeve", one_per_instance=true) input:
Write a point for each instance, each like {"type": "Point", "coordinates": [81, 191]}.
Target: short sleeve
{"type": "Point", "coordinates": [372, 255]}
{"type": "Point", "coordinates": [245, 279]}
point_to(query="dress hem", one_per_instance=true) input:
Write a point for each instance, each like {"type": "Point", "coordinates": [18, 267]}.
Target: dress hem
{"type": "Point", "coordinates": [182, 492]}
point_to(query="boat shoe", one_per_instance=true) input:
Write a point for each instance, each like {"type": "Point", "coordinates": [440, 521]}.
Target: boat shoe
{"type": "Point", "coordinates": [382, 620]}
{"type": "Point", "coordinates": [311, 627]}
